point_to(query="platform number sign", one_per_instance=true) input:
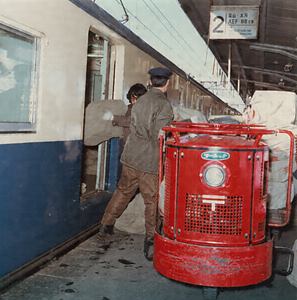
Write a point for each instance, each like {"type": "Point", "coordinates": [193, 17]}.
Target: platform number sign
{"type": "Point", "coordinates": [233, 22]}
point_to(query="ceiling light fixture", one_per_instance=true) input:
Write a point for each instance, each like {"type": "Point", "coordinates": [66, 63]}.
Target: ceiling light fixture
{"type": "Point", "coordinates": [288, 67]}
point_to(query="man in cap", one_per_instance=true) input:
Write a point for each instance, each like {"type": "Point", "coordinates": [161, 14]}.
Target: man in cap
{"type": "Point", "coordinates": [140, 157]}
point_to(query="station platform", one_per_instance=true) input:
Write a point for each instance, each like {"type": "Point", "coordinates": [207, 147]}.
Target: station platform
{"type": "Point", "coordinates": [114, 268]}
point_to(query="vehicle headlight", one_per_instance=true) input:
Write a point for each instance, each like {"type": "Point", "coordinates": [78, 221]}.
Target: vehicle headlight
{"type": "Point", "coordinates": [214, 175]}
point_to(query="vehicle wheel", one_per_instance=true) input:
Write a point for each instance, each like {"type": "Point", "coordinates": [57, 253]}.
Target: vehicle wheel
{"type": "Point", "coordinates": [276, 233]}
{"type": "Point", "coordinates": [210, 293]}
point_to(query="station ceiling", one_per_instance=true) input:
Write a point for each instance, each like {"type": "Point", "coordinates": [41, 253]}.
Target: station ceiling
{"type": "Point", "coordinates": [268, 62]}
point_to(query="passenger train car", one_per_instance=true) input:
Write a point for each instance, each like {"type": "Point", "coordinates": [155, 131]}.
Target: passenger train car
{"type": "Point", "coordinates": [57, 56]}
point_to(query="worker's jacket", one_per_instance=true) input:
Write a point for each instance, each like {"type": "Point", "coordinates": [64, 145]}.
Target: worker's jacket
{"type": "Point", "coordinates": [150, 113]}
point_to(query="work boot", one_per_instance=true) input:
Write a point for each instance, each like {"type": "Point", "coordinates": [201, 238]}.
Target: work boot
{"type": "Point", "coordinates": [106, 229]}
{"type": "Point", "coordinates": [148, 242]}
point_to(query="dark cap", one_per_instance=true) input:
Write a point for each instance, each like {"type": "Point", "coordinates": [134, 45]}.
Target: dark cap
{"type": "Point", "coordinates": [160, 71]}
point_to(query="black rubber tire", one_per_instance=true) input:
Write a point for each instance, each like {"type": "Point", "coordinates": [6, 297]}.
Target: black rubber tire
{"type": "Point", "coordinates": [276, 233]}
{"type": "Point", "coordinates": [210, 293]}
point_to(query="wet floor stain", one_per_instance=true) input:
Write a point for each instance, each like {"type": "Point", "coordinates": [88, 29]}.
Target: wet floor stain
{"type": "Point", "coordinates": [126, 262]}
{"type": "Point", "coordinates": [105, 247]}
{"type": "Point", "coordinates": [107, 265]}
{"type": "Point", "coordinates": [94, 257]}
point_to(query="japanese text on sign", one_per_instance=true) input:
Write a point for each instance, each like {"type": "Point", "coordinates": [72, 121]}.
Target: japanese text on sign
{"type": "Point", "coordinates": [233, 22]}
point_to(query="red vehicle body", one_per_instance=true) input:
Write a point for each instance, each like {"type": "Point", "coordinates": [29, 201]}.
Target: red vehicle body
{"type": "Point", "coordinates": [214, 216]}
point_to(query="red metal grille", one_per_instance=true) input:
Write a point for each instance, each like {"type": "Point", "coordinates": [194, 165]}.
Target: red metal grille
{"type": "Point", "coordinates": [168, 168]}
{"type": "Point", "coordinates": [261, 226]}
{"type": "Point", "coordinates": [213, 218]}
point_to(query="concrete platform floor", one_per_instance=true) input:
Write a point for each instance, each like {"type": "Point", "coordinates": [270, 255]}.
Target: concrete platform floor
{"type": "Point", "coordinates": [114, 268]}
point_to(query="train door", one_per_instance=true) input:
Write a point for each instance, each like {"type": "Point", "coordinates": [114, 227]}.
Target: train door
{"type": "Point", "coordinates": [99, 86]}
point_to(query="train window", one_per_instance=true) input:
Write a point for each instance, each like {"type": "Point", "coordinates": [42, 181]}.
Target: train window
{"type": "Point", "coordinates": [181, 96]}
{"type": "Point", "coordinates": [192, 101]}
{"type": "Point", "coordinates": [18, 84]}
{"type": "Point", "coordinates": [197, 104]}
{"type": "Point", "coordinates": [208, 112]}
{"type": "Point", "coordinates": [200, 105]}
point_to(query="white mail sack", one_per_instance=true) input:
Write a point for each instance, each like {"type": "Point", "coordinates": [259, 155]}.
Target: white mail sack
{"type": "Point", "coordinates": [195, 116]}
{"type": "Point", "coordinates": [273, 109]}
{"type": "Point", "coordinates": [277, 194]}
{"type": "Point", "coordinates": [97, 129]}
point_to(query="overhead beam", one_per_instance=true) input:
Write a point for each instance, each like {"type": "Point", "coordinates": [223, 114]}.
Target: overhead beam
{"type": "Point", "coordinates": [278, 75]}
{"type": "Point", "coordinates": [270, 85]}
{"type": "Point", "coordinates": [249, 43]}
{"type": "Point", "coordinates": [274, 46]}
{"type": "Point", "coordinates": [264, 70]}
{"type": "Point", "coordinates": [273, 50]}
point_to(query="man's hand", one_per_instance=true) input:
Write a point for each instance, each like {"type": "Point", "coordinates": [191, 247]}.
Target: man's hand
{"type": "Point", "coordinates": [108, 116]}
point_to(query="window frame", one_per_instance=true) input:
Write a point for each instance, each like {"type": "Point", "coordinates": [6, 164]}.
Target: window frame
{"type": "Point", "coordinates": [16, 127]}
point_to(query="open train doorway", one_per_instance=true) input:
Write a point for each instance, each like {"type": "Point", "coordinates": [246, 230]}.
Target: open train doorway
{"type": "Point", "coordinates": [99, 86]}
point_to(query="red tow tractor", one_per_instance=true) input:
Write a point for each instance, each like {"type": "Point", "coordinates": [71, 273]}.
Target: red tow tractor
{"type": "Point", "coordinates": [214, 232]}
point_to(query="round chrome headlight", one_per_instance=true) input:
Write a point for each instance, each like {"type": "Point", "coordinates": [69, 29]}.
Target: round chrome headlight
{"type": "Point", "coordinates": [214, 175]}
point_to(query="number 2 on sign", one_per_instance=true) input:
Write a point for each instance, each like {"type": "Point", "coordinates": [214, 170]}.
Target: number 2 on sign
{"type": "Point", "coordinates": [221, 22]}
